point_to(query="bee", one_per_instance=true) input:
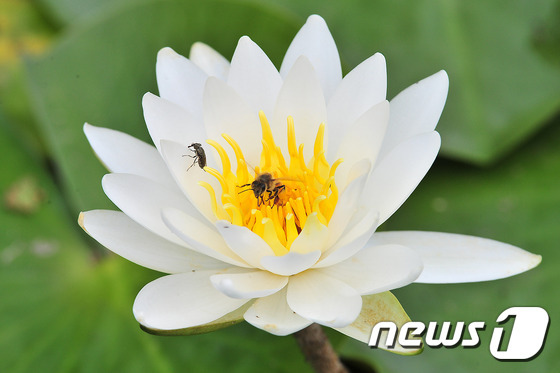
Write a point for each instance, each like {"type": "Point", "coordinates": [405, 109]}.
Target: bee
{"type": "Point", "coordinates": [199, 155]}
{"type": "Point", "coordinates": [265, 183]}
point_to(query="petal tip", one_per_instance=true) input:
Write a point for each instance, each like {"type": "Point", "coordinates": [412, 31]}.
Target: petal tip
{"type": "Point", "coordinates": [166, 52]}
{"type": "Point", "coordinates": [534, 261]}
{"type": "Point", "coordinates": [198, 46]}
{"type": "Point", "coordinates": [106, 182]}
{"type": "Point", "coordinates": [379, 55]}
{"type": "Point", "coordinates": [443, 75]}
{"type": "Point", "coordinates": [245, 40]}
{"type": "Point", "coordinates": [148, 97]}
{"type": "Point", "coordinates": [316, 19]}
{"type": "Point", "coordinates": [81, 223]}
{"type": "Point", "coordinates": [440, 80]}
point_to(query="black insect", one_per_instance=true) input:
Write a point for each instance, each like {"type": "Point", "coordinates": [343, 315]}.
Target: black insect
{"type": "Point", "coordinates": [199, 155]}
{"type": "Point", "coordinates": [265, 183]}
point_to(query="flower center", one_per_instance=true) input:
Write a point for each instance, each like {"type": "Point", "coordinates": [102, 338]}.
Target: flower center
{"type": "Point", "coordinates": [275, 199]}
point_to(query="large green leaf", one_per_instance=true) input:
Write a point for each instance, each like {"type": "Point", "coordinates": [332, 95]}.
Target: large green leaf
{"type": "Point", "coordinates": [518, 202]}
{"type": "Point", "coordinates": [64, 310]}
{"type": "Point", "coordinates": [23, 32]}
{"type": "Point", "coordinates": [67, 12]}
{"type": "Point", "coordinates": [99, 72]}
{"type": "Point", "coordinates": [502, 89]}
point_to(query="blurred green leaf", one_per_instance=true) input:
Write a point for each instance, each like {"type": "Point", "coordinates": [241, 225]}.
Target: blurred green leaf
{"type": "Point", "coordinates": [517, 201]}
{"type": "Point", "coordinates": [67, 12]}
{"type": "Point", "coordinates": [23, 32]}
{"type": "Point", "coordinates": [501, 88]}
{"type": "Point", "coordinates": [63, 310]}
{"type": "Point", "coordinates": [99, 72]}
{"type": "Point", "coordinates": [546, 37]}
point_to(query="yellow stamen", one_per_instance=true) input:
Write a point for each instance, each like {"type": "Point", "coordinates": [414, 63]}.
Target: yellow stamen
{"type": "Point", "coordinates": [218, 176]}
{"type": "Point", "coordinates": [235, 146]}
{"type": "Point", "coordinates": [335, 166]}
{"type": "Point", "coordinates": [266, 131]}
{"type": "Point", "coordinates": [242, 175]}
{"type": "Point", "coordinates": [316, 168]}
{"type": "Point", "coordinates": [282, 162]}
{"type": "Point", "coordinates": [267, 155]}
{"type": "Point", "coordinates": [226, 166]}
{"type": "Point", "coordinates": [300, 211]}
{"type": "Point", "coordinates": [272, 239]}
{"type": "Point", "coordinates": [218, 211]}
{"type": "Point", "coordinates": [307, 203]}
{"type": "Point", "coordinates": [259, 227]}
{"type": "Point", "coordinates": [235, 213]}
{"type": "Point", "coordinates": [317, 211]}
{"type": "Point", "coordinates": [276, 202]}
{"type": "Point", "coordinates": [292, 146]}
{"type": "Point", "coordinates": [251, 221]}
{"type": "Point", "coordinates": [291, 230]}
{"type": "Point", "coordinates": [280, 233]}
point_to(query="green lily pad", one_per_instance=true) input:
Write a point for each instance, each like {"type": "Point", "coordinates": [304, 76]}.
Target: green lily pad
{"type": "Point", "coordinates": [24, 33]}
{"type": "Point", "coordinates": [69, 12]}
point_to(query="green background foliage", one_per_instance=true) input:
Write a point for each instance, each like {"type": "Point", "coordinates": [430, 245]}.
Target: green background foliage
{"type": "Point", "coordinates": [66, 302]}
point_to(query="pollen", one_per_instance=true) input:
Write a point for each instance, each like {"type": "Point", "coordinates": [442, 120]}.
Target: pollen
{"type": "Point", "coordinates": [275, 198]}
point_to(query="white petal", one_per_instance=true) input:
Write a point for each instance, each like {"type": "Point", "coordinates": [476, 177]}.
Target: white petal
{"type": "Point", "coordinates": [168, 121]}
{"type": "Point", "coordinates": [210, 61]}
{"type": "Point", "coordinates": [346, 207]}
{"type": "Point", "coordinates": [378, 268]}
{"type": "Point", "coordinates": [362, 140]}
{"type": "Point", "coordinates": [397, 175]}
{"type": "Point", "coordinates": [416, 110]}
{"type": "Point", "coordinates": [313, 236]}
{"type": "Point", "coordinates": [323, 299]}
{"type": "Point", "coordinates": [453, 258]}
{"type": "Point", "coordinates": [361, 88]}
{"type": "Point", "coordinates": [302, 98]}
{"type": "Point", "coordinates": [273, 315]}
{"type": "Point", "coordinates": [143, 199]}
{"type": "Point", "coordinates": [291, 263]}
{"type": "Point", "coordinates": [180, 81]}
{"type": "Point", "coordinates": [122, 153]}
{"type": "Point", "coordinates": [225, 111]}
{"type": "Point", "coordinates": [315, 41]}
{"type": "Point", "coordinates": [248, 245]}
{"type": "Point", "coordinates": [254, 77]}
{"type": "Point", "coordinates": [124, 237]}
{"type": "Point", "coordinates": [248, 285]}
{"type": "Point", "coordinates": [352, 240]}
{"type": "Point", "coordinates": [187, 179]}
{"type": "Point", "coordinates": [181, 301]}
{"type": "Point", "coordinates": [200, 237]}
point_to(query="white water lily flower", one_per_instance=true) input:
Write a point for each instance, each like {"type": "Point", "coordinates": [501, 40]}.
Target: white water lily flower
{"type": "Point", "coordinates": [298, 247]}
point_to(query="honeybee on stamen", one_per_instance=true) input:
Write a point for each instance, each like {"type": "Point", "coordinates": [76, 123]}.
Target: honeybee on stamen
{"type": "Point", "coordinates": [265, 183]}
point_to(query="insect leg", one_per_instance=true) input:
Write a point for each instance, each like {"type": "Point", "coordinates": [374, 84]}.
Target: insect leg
{"type": "Point", "coordinates": [194, 162]}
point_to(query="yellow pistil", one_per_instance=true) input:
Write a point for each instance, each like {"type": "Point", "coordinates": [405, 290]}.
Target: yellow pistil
{"type": "Point", "coordinates": [275, 199]}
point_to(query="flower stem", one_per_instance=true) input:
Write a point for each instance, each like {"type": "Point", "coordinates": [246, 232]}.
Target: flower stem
{"type": "Point", "coordinates": [318, 351]}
